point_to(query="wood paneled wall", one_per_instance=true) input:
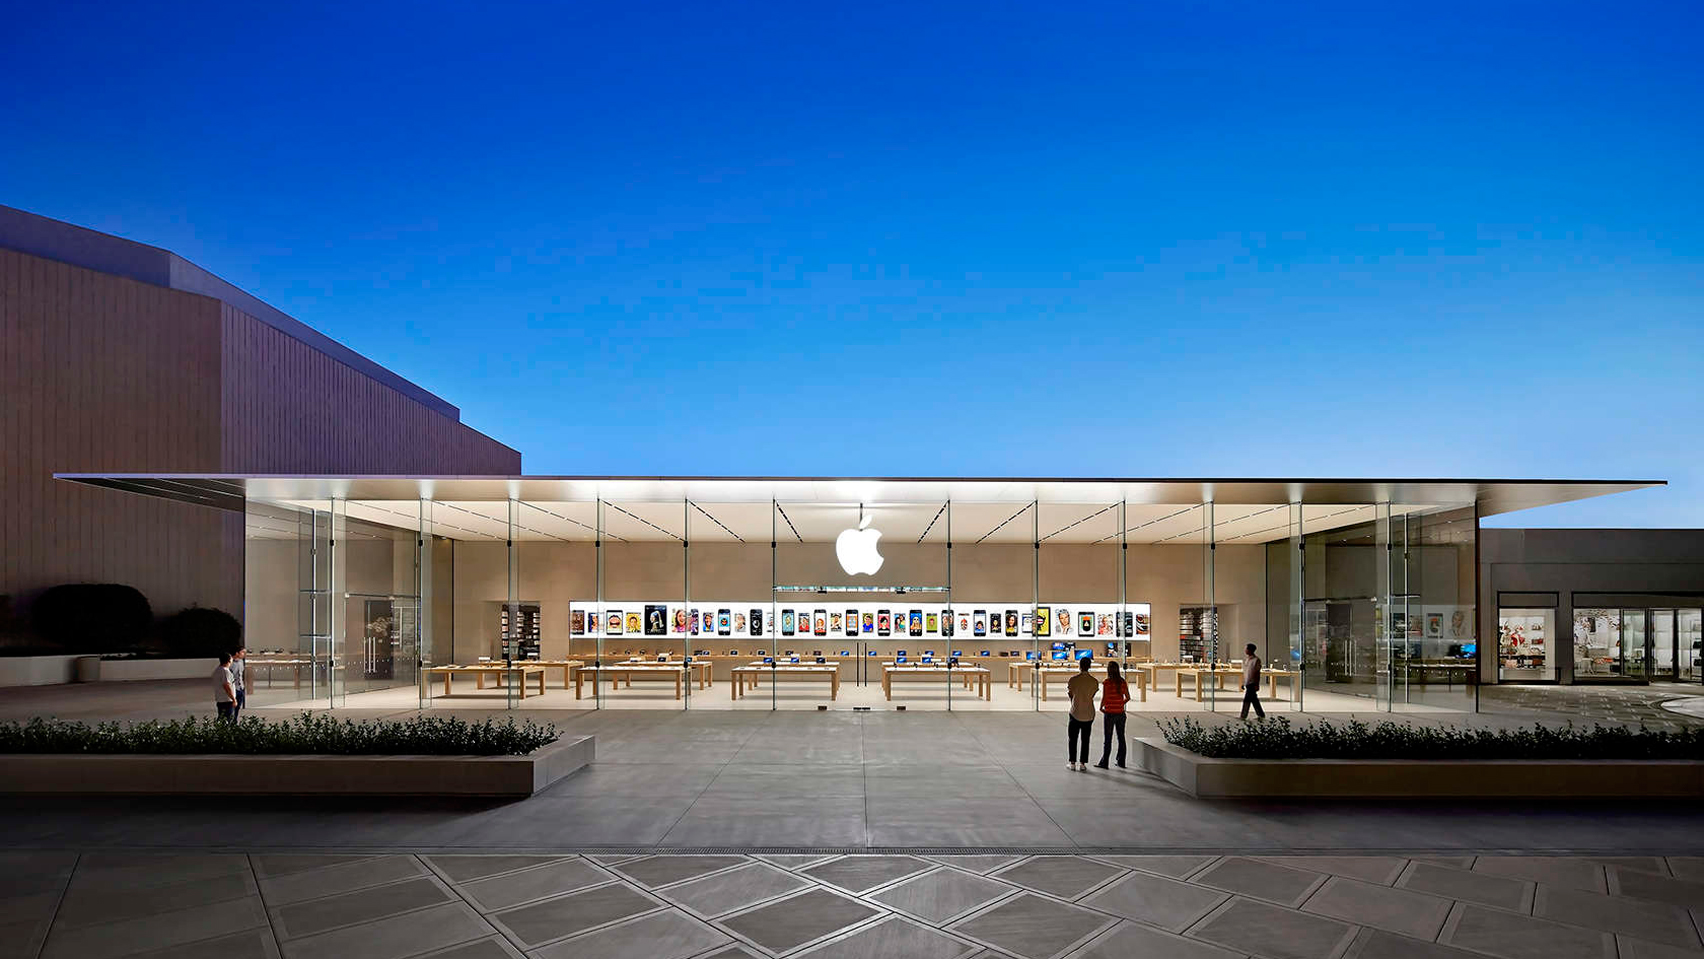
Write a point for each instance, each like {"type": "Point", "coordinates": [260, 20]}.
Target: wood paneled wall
{"type": "Point", "coordinates": [100, 373]}
{"type": "Point", "coordinates": [288, 408]}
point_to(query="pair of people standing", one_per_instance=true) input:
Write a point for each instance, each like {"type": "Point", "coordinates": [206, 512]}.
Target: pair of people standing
{"type": "Point", "coordinates": [1115, 692]}
{"type": "Point", "coordinates": [229, 697]}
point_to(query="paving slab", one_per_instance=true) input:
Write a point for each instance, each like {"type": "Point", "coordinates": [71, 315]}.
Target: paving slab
{"type": "Point", "coordinates": [1510, 935]}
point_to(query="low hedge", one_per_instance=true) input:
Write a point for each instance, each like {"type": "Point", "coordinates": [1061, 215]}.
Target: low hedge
{"type": "Point", "coordinates": [308, 733]}
{"type": "Point", "coordinates": [1277, 738]}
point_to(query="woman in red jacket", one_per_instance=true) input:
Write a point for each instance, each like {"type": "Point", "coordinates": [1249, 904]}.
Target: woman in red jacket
{"type": "Point", "coordinates": [1115, 692]}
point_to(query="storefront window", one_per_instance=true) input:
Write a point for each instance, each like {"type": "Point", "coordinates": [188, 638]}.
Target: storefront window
{"type": "Point", "coordinates": [1525, 638]}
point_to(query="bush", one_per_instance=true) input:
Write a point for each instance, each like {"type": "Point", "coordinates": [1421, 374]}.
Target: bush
{"type": "Point", "coordinates": [309, 733]}
{"type": "Point", "coordinates": [200, 632]}
{"type": "Point", "coordinates": [1278, 739]}
{"type": "Point", "coordinates": [92, 617]}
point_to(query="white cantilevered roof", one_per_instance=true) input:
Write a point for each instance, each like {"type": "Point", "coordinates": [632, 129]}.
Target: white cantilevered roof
{"type": "Point", "coordinates": [983, 509]}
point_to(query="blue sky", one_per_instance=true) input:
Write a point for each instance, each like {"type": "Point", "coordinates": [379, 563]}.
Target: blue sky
{"type": "Point", "coordinates": [903, 239]}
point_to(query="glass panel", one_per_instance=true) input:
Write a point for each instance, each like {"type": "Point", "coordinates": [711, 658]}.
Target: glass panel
{"type": "Point", "coordinates": [993, 610]}
{"type": "Point", "coordinates": [379, 556]}
{"type": "Point", "coordinates": [1690, 633]}
{"type": "Point", "coordinates": [1078, 563]}
{"type": "Point", "coordinates": [338, 659]}
{"type": "Point", "coordinates": [1662, 644]}
{"type": "Point", "coordinates": [1526, 645]}
{"type": "Point", "coordinates": [1635, 631]}
{"type": "Point", "coordinates": [1598, 651]}
{"type": "Point", "coordinates": [556, 597]}
{"type": "Point", "coordinates": [1340, 557]}
{"type": "Point", "coordinates": [286, 603]}
{"type": "Point", "coordinates": [728, 568]}
{"type": "Point", "coordinates": [1165, 577]}
{"type": "Point", "coordinates": [1435, 656]}
{"type": "Point", "coordinates": [880, 569]}
{"type": "Point", "coordinates": [471, 572]}
{"type": "Point", "coordinates": [644, 586]}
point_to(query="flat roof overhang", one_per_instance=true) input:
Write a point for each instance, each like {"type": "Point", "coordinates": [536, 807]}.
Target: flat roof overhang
{"type": "Point", "coordinates": [231, 492]}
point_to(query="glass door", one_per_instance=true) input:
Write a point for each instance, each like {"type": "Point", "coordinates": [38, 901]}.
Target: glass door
{"type": "Point", "coordinates": [1662, 644]}
{"type": "Point", "coordinates": [1634, 632]}
{"type": "Point", "coordinates": [1689, 634]}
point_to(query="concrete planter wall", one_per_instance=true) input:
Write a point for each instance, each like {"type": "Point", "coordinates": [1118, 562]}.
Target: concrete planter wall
{"type": "Point", "coordinates": [1432, 779]}
{"type": "Point", "coordinates": [52, 670]}
{"type": "Point", "coordinates": [39, 670]}
{"type": "Point", "coordinates": [132, 670]}
{"type": "Point", "coordinates": [504, 776]}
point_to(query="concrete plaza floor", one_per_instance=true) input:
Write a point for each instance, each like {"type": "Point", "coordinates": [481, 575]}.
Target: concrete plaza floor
{"type": "Point", "coordinates": [838, 834]}
{"type": "Point", "coordinates": [98, 905]}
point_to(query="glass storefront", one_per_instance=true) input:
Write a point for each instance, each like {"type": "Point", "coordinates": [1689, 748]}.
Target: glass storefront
{"type": "Point", "coordinates": [1526, 639]}
{"type": "Point", "coordinates": [869, 595]}
{"type": "Point", "coordinates": [1638, 644]}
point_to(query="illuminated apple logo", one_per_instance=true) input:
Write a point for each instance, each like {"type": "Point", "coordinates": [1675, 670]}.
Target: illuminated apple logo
{"type": "Point", "coordinates": [856, 549]}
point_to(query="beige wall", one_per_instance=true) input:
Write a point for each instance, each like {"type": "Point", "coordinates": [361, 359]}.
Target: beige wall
{"type": "Point", "coordinates": [270, 595]}
{"type": "Point", "coordinates": [554, 574]}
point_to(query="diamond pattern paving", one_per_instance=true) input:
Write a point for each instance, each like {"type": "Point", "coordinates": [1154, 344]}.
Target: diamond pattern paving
{"type": "Point", "coordinates": [787, 906]}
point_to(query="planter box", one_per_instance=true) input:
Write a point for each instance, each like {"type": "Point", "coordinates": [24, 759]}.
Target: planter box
{"type": "Point", "coordinates": [53, 670]}
{"type": "Point", "coordinates": [132, 670]}
{"type": "Point", "coordinates": [509, 776]}
{"type": "Point", "coordinates": [40, 670]}
{"type": "Point", "coordinates": [1421, 778]}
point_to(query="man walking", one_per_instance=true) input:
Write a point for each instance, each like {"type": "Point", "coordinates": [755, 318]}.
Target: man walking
{"type": "Point", "coordinates": [237, 682]}
{"type": "Point", "coordinates": [1082, 689]}
{"type": "Point", "coordinates": [1251, 683]}
{"type": "Point", "coordinates": [224, 692]}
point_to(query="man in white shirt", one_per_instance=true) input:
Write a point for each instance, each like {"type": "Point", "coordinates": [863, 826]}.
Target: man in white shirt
{"type": "Point", "coordinates": [224, 690]}
{"type": "Point", "coordinates": [1251, 683]}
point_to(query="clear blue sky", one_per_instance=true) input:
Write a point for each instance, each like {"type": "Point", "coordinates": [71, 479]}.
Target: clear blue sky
{"type": "Point", "coordinates": [894, 239]}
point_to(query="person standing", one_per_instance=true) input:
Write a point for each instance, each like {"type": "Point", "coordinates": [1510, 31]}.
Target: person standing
{"type": "Point", "coordinates": [237, 682]}
{"type": "Point", "coordinates": [224, 691]}
{"type": "Point", "coordinates": [1251, 682]}
{"type": "Point", "coordinates": [1115, 692]}
{"type": "Point", "coordinates": [1082, 689]}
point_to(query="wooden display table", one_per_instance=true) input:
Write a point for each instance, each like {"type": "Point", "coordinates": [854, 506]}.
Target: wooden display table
{"type": "Point", "coordinates": [1154, 670]}
{"type": "Point", "coordinates": [566, 665]}
{"type": "Point", "coordinates": [1195, 674]}
{"type": "Point", "coordinates": [978, 676]}
{"type": "Point", "coordinates": [1047, 674]}
{"type": "Point", "coordinates": [741, 676]}
{"type": "Point", "coordinates": [480, 671]}
{"type": "Point", "coordinates": [269, 663]}
{"type": "Point", "coordinates": [617, 672]}
{"type": "Point", "coordinates": [698, 669]}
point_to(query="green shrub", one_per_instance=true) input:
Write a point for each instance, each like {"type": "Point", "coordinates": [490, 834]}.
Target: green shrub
{"type": "Point", "coordinates": [92, 617]}
{"type": "Point", "coordinates": [200, 632]}
{"type": "Point", "coordinates": [1278, 739]}
{"type": "Point", "coordinates": [309, 733]}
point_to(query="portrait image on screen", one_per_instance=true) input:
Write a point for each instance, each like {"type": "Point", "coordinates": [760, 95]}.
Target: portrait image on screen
{"type": "Point", "coordinates": [916, 622]}
{"type": "Point", "coordinates": [1011, 622]}
{"type": "Point", "coordinates": [851, 622]}
{"type": "Point", "coordinates": [1043, 622]}
{"type": "Point", "coordinates": [819, 622]}
{"type": "Point", "coordinates": [946, 622]}
{"type": "Point", "coordinates": [756, 621]}
{"type": "Point", "coordinates": [884, 623]}
{"type": "Point", "coordinates": [979, 622]}
{"type": "Point", "coordinates": [869, 620]}
{"type": "Point", "coordinates": [786, 622]}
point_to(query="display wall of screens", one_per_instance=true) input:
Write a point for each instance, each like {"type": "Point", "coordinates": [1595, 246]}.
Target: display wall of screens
{"type": "Point", "coordinates": [865, 621]}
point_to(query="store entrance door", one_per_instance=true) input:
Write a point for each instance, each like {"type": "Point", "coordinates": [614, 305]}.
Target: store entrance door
{"type": "Point", "coordinates": [1660, 654]}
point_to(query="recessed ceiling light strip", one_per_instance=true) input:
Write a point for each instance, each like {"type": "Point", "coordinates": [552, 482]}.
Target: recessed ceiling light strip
{"type": "Point", "coordinates": [1079, 523]}
{"type": "Point", "coordinates": [640, 519]}
{"type": "Point", "coordinates": [789, 520]}
{"type": "Point", "coordinates": [718, 522]}
{"type": "Point", "coordinates": [1005, 521]}
{"type": "Point", "coordinates": [932, 522]}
